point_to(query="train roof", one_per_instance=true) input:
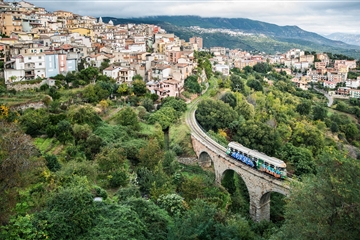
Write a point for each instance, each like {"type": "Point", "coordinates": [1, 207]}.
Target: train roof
{"type": "Point", "coordinates": [272, 160]}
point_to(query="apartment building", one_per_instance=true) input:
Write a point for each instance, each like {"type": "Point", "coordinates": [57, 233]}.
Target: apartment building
{"type": "Point", "coordinates": [198, 41]}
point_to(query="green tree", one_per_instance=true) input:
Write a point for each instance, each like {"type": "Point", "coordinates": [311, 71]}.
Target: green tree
{"type": "Point", "coordinates": [237, 85]}
{"type": "Point", "coordinates": [319, 112]}
{"type": "Point", "coordinates": [191, 84]}
{"type": "Point", "coordinates": [18, 165]}
{"type": "Point", "coordinates": [215, 114]}
{"type": "Point", "coordinates": [304, 107]}
{"type": "Point", "coordinates": [69, 211]}
{"type": "Point", "coordinates": [148, 104]}
{"type": "Point", "coordinates": [229, 98]}
{"type": "Point", "coordinates": [128, 117]}
{"type": "Point", "coordinates": [151, 154]}
{"type": "Point", "coordinates": [52, 163]}
{"type": "Point", "coordinates": [139, 87]}
{"type": "Point", "coordinates": [165, 117]}
{"type": "Point", "coordinates": [325, 206]}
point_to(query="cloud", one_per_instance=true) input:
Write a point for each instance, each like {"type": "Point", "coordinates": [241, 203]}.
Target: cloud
{"type": "Point", "coordinates": [317, 16]}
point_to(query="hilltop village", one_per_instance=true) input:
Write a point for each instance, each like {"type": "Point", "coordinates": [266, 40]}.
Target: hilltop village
{"type": "Point", "coordinates": [126, 131]}
{"type": "Point", "coordinates": [37, 44]}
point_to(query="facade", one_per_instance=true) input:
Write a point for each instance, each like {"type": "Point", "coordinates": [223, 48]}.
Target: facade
{"type": "Point", "coordinates": [198, 41]}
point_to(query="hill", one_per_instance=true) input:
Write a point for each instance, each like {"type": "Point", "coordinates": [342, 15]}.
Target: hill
{"type": "Point", "coordinates": [246, 34]}
{"type": "Point", "coordinates": [348, 38]}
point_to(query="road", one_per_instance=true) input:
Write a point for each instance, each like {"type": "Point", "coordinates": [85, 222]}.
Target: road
{"type": "Point", "coordinates": [330, 98]}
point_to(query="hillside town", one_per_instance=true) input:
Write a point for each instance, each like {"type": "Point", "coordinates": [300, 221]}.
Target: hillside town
{"type": "Point", "coordinates": [37, 44]}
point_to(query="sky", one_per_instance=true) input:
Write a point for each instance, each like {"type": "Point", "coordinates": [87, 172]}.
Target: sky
{"type": "Point", "coordinates": [320, 16]}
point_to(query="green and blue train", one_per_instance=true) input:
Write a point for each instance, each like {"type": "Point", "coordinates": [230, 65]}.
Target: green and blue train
{"type": "Point", "coordinates": [257, 160]}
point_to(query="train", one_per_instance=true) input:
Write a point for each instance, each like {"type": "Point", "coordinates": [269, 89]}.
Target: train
{"type": "Point", "coordinates": [257, 160]}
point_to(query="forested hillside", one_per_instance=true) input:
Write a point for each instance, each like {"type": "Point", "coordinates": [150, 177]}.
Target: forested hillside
{"type": "Point", "coordinates": [266, 37]}
{"type": "Point", "coordinates": [99, 161]}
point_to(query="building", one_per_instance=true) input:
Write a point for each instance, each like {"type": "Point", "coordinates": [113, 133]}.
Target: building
{"type": "Point", "coordinates": [198, 41]}
{"type": "Point", "coordinates": [355, 93]}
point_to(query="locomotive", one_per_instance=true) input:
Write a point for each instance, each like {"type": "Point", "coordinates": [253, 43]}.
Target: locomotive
{"type": "Point", "coordinates": [257, 160]}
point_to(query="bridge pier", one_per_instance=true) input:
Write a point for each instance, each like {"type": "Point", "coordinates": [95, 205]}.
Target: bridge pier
{"type": "Point", "coordinates": [259, 185]}
{"type": "Point", "coordinates": [260, 208]}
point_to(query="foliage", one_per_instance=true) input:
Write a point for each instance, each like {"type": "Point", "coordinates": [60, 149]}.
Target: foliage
{"type": "Point", "coordinates": [18, 165]}
{"type": "Point", "coordinates": [301, 158]}
{"type": "Point", "coordinates": [83, 114]}
{"type": "Point", "coordinates": [165, 117]}
{"type": "Point", "coordinates": [172, 203]}
{"type": "Point", "coordinates": [328, 202]}
{"type": "Point", "coordinates": [127, 117]}
{"type": "Point", "coordinates": [69, 211]}
{"type": "Point", "coordinates": [191, 84]}
{"type": "Point", "coordinates": [150, 155]}
{"type": "Point", "coordinates": [52, 163]}
{"type": "Point", "coordinates": [215, 114]}
{"type": "Point", "coordinates": [229, 98]}
{"type": "Point", "coordinates": [139, 87]}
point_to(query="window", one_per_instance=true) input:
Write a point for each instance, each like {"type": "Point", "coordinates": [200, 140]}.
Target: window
{"type": "Point", "coordinates": [29, 58]}
{"type": "Point", "coordinates": [39, 57]}
{"type": "Point", "coordinates": [40, 64]}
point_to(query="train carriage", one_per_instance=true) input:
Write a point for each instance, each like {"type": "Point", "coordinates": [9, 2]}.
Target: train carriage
{"type": "Point", "coordinates": [258, 160]}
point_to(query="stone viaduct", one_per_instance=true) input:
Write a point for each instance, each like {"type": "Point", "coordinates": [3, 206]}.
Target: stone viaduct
{"type": "Point", "coordinates": [259, 184]}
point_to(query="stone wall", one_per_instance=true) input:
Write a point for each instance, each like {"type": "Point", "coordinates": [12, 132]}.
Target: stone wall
{"type": "Point", "coordinates": [35, 105]}
{"type": "Point", "coordinates": [22, 87]}
{"type": "Point", "coordinates": [188, 160]}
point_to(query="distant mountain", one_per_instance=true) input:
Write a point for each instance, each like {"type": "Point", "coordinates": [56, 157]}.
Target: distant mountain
{"type": "Point", "coordinates": [348, 38]}
{"type": "Point", "coordinates": [245, 34]}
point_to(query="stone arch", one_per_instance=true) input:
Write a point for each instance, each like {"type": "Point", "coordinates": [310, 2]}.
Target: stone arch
{"type": "Point", "coordinates": [205, 160]}
{"type": "Point", "coordinates": [239, 181]}
{"type": "Point", "coordinates": [264, 204]}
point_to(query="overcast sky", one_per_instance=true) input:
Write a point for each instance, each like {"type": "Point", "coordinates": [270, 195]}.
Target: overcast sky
{"type": "Point", "coordinates": [320, 16]}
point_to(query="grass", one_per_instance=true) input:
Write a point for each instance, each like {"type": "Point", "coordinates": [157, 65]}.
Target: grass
{"type": "Point", "coordinates": [43, 144]}
{"type": "Point", "coordinates": [146, 129]}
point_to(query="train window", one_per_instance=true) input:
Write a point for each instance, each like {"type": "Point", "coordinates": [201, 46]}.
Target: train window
{"type": "Point", "coordinates": [245, 154]}
{"type": "Point", "coordinates": [271, 165]}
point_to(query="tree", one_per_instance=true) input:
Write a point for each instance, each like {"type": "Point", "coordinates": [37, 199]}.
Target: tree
{"type": "Point", "coordinates": [174, 204]}
{"type": "Point", "coordinates": [304, 107]}
{"type": "Point", "coordinates": [229, 98]}
{"type": "Point", "coordinates": [89, 94]}
{"type": "Point", "coordinates": [165, 117]}
{"type": "Point", "coordinates": [325, 206]}
{"type": "Point", "coordinates": [301, 158]}
{"type": "Point", "coordinates": [191, 84]}
{"type": "Point", "coordinates": [215, 114]}
{"type": "Point", "coordinates": [137, 77]}
{"type": "Point", "coordinates": [35, 121]}
{"type": "Point", "coordinates": [148, 104]}
{"type": "Point", "coordinates": [70, 210]}
{"type": "Point", "coordinates": [176, 103]}
{"type": "Point", "coordinates": [151, 154]}
{"type": "Point", "coordinates": [319, 112]}
{"type": "Point", "coordinates": [18, 165]}
{"type": "Point", "coordinates": [52, 163]}
{"type": "Point", "coordinates": [127, 117]}
{"type": "Point", "coordinates": [104, 64]}
{"type": "Point", "coordinates": [104, 104]}
{"type": "Point", "coordinates": [255, 84]}
{"type": "Point", "coordinates": [139, 87]}
{"type": "Point", "coordinates": [237, 85]}
{"type": "Point", "coordinates": [123, 89]}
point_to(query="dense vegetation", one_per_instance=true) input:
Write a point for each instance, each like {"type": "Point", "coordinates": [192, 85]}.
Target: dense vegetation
{"type": "Point", "coordinates": [57, 162]}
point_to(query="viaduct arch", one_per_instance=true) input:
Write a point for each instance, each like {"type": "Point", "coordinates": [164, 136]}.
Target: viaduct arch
{"type": "Point", "coordinates": [259, 185]}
